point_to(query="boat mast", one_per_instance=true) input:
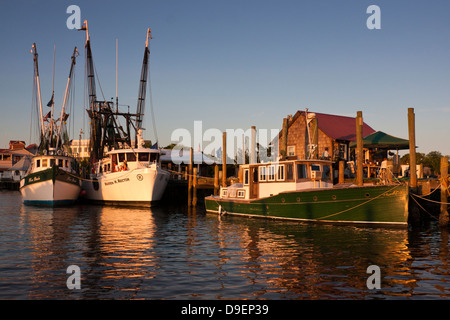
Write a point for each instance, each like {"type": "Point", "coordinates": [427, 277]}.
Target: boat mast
{"type": "Point", "coordinates": [36, 74]}
{"type": "Point", "coordinates": [142, 86]}
{"type": "Point", "coordinates": [66, 96]}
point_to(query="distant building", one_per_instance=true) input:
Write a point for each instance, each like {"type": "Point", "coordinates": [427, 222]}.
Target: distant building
{"type": "Point", "coordinates": [335, 133]}
{"type": "Point", "coordinates": [14, 162]}
{"type": "Point", "coordinates": [80, 148]}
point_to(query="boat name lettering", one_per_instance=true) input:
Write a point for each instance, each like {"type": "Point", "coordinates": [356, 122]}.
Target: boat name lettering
{"type": "Point", "coordinates": [34, 179]}
{"type": "Point", "coordinates": [108, 183]}
{"type": "Point", "coordinates": [393, 193]}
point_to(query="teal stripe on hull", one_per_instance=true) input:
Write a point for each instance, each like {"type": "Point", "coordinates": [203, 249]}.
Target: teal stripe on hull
{"type": "Point", "coordinates": [378, 205]}
{"type": "Point", "coordinates": [49, 203]}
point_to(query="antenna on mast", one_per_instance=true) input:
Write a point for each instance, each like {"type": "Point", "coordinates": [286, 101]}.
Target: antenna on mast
{"type": "Point", "coordinates": [117, 68]}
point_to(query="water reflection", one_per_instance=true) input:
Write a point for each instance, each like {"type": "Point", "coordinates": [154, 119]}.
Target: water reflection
{"type": "Point", "coordinates": [171, 252]}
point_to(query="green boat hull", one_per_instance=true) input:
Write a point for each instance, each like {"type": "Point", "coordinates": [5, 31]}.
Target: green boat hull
{"type": "Point", "coordinates": [367, 205]}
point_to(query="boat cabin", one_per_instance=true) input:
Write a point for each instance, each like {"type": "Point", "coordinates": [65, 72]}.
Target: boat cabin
{"type": "Point", "coordinates": [53, 158]}
{"type": "Point", "coordinates": [127, 159]}
{"type": "Point", "coordinates": [268, 179]}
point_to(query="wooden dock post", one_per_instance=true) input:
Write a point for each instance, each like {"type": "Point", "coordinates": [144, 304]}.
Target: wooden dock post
{"type": "Point", "coordinates": [190, 178]}
{"type": "Point", "coordinates": [359, 149]}
{"type": "Point", "coordinates": [443, 215]}
{"type": "Point", "coordinates": [341, 171]}
{"type": "Point", "coordinates": [253, 158]}
{"type": "Point", "coordinates": [224, 160]}
{"type": "Point", "coordinates": [216, 180]}
{"type": "Point", "coordinates": [194, 187]}
{"type": "Point", "coordinates": [412, 149]}
{"type": "Point", "coordinates": [284, 133]}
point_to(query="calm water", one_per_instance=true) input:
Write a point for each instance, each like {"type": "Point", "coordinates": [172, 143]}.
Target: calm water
{"type": "Point", "coordinates": [173, 253]}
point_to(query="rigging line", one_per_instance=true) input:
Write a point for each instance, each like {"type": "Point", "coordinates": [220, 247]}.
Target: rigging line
{"type": "Point", "coordinates": [334, 214]}
{"type": "Point", "coordinates": [424, 209]}
{"type": "Point", "coordinates": [98, 81]}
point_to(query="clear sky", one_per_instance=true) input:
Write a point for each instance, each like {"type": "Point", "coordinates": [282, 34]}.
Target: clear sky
{"type": "Point", "coordinates": [237, 63]}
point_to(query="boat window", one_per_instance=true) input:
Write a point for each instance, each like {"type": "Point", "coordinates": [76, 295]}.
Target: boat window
{"type": "Point", "coordinates": [326, 172]}
{"type": "Point", "coordinates": [121, 157]}
{"type": "Point", "coordinates": [38, 163]}
{"type": "Point", "coordinates": [60, 162]}
{"type": "Point", "coordinates": [315, 167]}
{"type": "Point", "coordinates": [301, 171]}
{"type": "Point", "coordinates": [246, 177]}
{"type": "Point", "coordinates": [262, 173]}
{"type": "Point", "coordinates": [143, 157]}
{"type": "Point", "coordinates": [154, 157]}
{"type": "Point", "coordinates": [52, 162]}
{"type": "Point", "coordinates": [271, 176]}
{"type": "Point", "coordinates": [289, 172]}
{"type": "Point", "coordinates": [131, 157]}
{"type": "Point", "coordinates": [280, 174]}
{"type": "Point", "coordinates": [44, 162]}
{"type": "Point", "coordinates": [67, 164]}
{"type": "Point", "coordinates": [241, 193]}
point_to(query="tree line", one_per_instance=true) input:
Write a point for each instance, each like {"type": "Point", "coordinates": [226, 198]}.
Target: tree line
{"type": "Point", "coordinates": [431, 160]}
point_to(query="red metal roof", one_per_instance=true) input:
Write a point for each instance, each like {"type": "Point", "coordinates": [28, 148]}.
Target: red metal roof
{"type": "Point", "coordinates": [339, 127]}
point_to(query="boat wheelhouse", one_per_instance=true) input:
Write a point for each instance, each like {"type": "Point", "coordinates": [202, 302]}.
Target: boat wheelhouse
{"type": "Point", "coordinates": [268, 179]}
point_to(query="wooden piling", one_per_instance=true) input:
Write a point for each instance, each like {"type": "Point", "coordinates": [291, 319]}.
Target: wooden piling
{"type": "Point", "coordinates": [194, 187]}
{"type": "Point", "coordinates": [224, 160]}
{"type": "Point", "coordinates": [253, 159]}
{"type": "Point", "coordinates": [283, 144]}
{"type": "Point", "coordinates": [190, 178]}
{"type": "Point", "coordinates": [359, 149]}
{"type": "Point", "coordinates": [412, 149]}
{"type": "Point", "coordinates": [341, 171]}
{"type": "Point", "coordinates": [216, 180]}
{"type": "Point", "coordinates": [443, 215]}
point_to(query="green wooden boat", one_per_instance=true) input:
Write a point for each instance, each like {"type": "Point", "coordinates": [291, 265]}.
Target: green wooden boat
{"type": "Point", "coordinates": [302, 190]}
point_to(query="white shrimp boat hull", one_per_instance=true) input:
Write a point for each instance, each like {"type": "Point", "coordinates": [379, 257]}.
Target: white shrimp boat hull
{"type": "Point", "coordinates": [138, 186]}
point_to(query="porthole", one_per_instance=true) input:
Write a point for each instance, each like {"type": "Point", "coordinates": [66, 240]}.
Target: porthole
{"type": "Point", "coordinates": [283, 200]}
{"type": "Point", "coordinates": [298, 199]}
{"type": "Point", "coordinates": [367, 195]}
{"type": "Point", "coordinates": [333, 197]}
{"type": "Point", "coordinates": [315, 198]}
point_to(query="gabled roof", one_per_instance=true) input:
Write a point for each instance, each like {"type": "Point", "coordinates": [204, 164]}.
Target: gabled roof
{"type": "Point", "coordinates": [337, 127]}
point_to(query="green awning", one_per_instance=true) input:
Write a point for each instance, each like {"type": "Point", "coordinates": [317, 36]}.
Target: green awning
{"type": "Point", "coordinates": [383, 140]}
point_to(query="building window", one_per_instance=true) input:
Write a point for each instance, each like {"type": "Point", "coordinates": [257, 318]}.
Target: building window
{"type": "Point", "coordinates": [291, 151]}
{"type": "Point", "coordinates": [241, 193]}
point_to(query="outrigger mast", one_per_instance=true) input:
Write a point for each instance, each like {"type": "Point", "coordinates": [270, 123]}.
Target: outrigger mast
{"type": "Point", "coordinates": [106, 131]}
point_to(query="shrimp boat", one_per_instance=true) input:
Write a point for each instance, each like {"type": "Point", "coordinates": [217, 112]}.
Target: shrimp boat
{"type": "Point", "coordinates": [123, 172]}
{"type": "Point", "coordinates": [52, 178]}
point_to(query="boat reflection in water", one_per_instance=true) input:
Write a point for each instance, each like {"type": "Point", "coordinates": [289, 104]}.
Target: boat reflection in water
{"type": "Point", "coordinates": [179, 253]}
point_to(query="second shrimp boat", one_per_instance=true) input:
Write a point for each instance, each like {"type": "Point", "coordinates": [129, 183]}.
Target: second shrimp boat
{"type": "Point", "coordinates": [124, 172]}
